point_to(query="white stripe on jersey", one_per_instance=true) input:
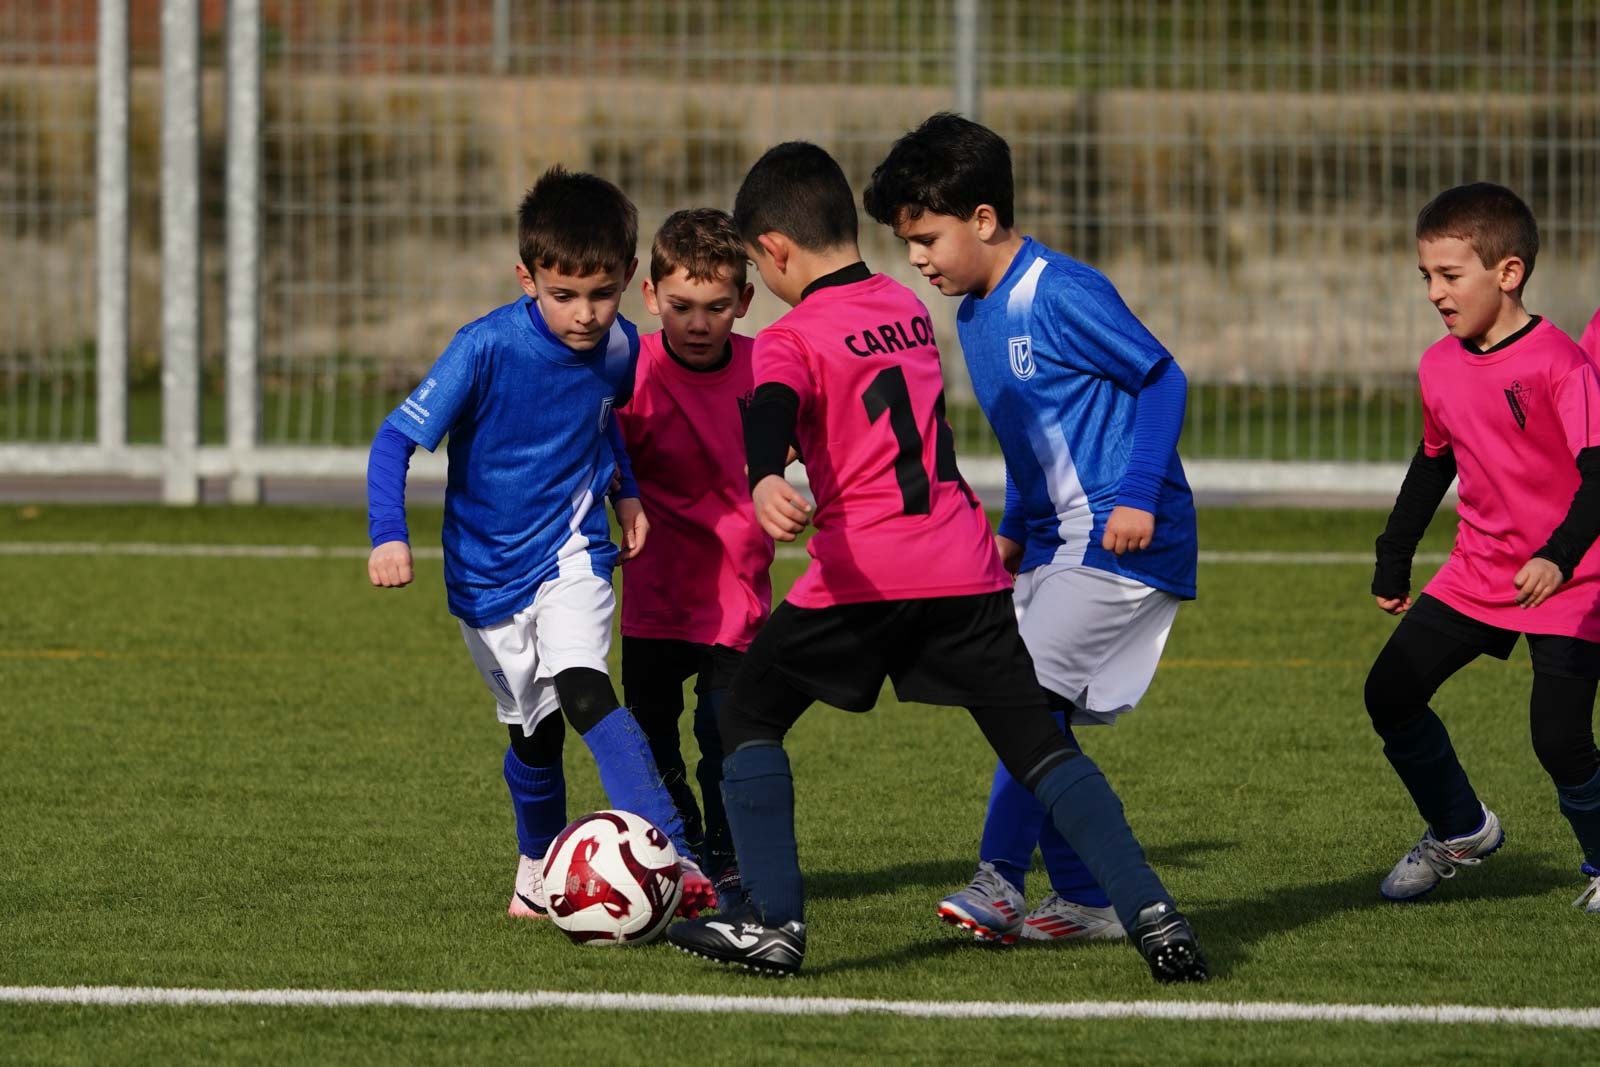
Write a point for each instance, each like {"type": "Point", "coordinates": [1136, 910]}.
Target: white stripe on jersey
{"type": "Point", "coordinates": [1020, 303]}
{"type": "Point", "coordinates": [1066, 491]}
{"type": "Point", "coordinates": [572, 558]}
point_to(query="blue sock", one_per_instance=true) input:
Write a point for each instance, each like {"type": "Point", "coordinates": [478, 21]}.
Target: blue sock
{"type": "Point", "coordinates": [1420, 752]}
{"type": "Point", "coordinates": [1581, 805]}
{"type": "Point", "coordinates": [1069, 875]}
{"type": "Point", "coordinates": [539, 797]}
{"type": "Point", "coordinates": [758, 792]}
{"type": "Point", "coordinates": [1089, 815]}
{"type": "Point", "coordinates": [1011, 827]}
{"type": "Point", "coordinates": [628, 774]}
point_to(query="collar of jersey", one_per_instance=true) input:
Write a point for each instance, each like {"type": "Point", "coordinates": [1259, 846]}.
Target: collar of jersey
{"type": "Point", "coordinates": [690, 374]}
{"type": "Point", "coordinates": [1504, 349]}
{"type": "Point", "coordinates": [552, 347]}
{"type": "Point", "coordinates": [1026, 254]}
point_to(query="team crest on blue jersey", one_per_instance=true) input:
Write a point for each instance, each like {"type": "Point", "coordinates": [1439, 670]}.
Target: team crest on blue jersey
{"type": "Point", "coordinates": [605, 412]}
{"type": "Point", "coordinates": [1022, 364]}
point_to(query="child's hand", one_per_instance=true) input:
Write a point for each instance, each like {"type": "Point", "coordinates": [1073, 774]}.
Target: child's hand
{"type": "Point", "coordinates": [389, 566]}
{"type": "Point", "coordinates": [635, 527]}
{"type": "Point", "coordinates": [1128, 530]}
{"type": "Point", "coordinates": [1010, 554]}
{"type": "Point", "coordinates": [1537, 579]}
{"type": "Point", "coordinates": [1398, 605]}
{"type": "Point", "coordinates": [780, 509]}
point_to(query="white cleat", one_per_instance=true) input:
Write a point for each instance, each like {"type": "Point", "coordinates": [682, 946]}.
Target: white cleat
{"type": "Point", "coordinates": [527, 899]}
{"type": "Point", "coordinates": [990, 907]}
{"type": "Point", "coordinates": [1058, 919]}
{"type": "Point", "coordinates": [1432, 860]}
{"type": "Point", "coordinates": [1589, 899]}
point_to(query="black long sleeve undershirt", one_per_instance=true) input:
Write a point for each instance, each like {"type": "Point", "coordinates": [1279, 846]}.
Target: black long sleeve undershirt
{"type": "Point", "coordinates": [769, 424]}
{"type": "Point", "coordinates": [1426, 482]}
{"type": "Point", "coordinates": [1577, 532]}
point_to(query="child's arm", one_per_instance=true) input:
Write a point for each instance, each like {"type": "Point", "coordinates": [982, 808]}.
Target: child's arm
{"type": "Point", "coordinates": [1426, 482]}
{"type": "Point", "coordinates": [1554, 563]}
{"type": "Point", "coordinates": [389, 565]}
{"type": "Point", "coordinates": [1157, 422]}
{"type": "Point", "coordinates": [1012, 533]}
{"type": "Point", "coordinates": [625, 496]}
{"type": "Point", "coordinates": [769, 425]}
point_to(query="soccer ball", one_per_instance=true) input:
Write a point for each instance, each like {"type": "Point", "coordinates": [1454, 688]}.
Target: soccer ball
{"type": "Point", "coordinates": [612, 878]}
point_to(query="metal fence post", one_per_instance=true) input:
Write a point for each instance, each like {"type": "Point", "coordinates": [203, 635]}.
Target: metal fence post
{"type": "Point", "coordinates": [111, 227]}
{"type": "Point", "coordinates": [180, 250]}
{"type": "Point", "coordinates": [243, 340]}
{"type": "Point", "coordinates": [968, 45]}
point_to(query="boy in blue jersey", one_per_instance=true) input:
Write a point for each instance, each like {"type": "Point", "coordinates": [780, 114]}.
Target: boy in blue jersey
{"type": "Point", "coordinates": [1099, 523]}
{"type": "Point", "coordinates": [525, 395]}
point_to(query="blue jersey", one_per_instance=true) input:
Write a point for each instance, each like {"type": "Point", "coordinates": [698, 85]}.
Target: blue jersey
{"type": "Point", "coordinates": [530, 461]}
{"type": "Point", "coordinates": [1057, 361]}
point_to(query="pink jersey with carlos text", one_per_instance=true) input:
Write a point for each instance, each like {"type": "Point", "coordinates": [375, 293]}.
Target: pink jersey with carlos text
{"type": "Point", "coordinates": [1515, 419]}
{"type": "Point", "coordinates": [894, 520]}
{"type": "Point", "coordinates": [702, 576]}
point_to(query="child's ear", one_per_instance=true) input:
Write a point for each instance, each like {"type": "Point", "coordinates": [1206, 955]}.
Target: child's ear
{"type": "Point", "coordinates": [1512, 273]}
{"type": "Point", "coordinates": [747, 294]}
{"type": "Point", "coordinates": [776, 246]}
{"type": "Point", "coordinates": [525, 279]}
{"type": "Point", "coordinates": [648, 291]}
{"type": "Point", "coordinates": [985, 222]}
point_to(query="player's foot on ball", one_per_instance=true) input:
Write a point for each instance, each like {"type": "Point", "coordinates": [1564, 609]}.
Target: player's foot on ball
{"type": "Point", "coordinates": [990, 907]}
{"type": "Point", "coordinates": [1057, 919]}
{"type": "Point", "coordinates": [1589, 899]}
{"type": "Point", "coordinates": [1434, 859]}
{"type": "Point", "coordinates": [528, 899]}
{"type": "Point", "coordinates": [698, 892]}
{"type": "Point", "coordinates": [730, 889]}
{"type": "Point", "coordinates": [1168, 945]}
{"type": "Point", "coordinates": [742, 937]}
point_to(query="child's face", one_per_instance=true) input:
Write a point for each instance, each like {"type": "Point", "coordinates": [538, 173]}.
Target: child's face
{"type": "Point", "coordinates": [578, 308]}
{"type": "Point", "coordinates": [1469, 297]}
{"type": "Point", "coordinates": [946, 250]}
{"type": "Point", "coordinates": [697, 316]}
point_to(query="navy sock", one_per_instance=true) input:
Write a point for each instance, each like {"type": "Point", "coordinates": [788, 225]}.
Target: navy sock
{"type": "Point", "coordinates": [1069, 875]}
{"type": "Point", "coordinates": [539, 797]}
{"type": "Point", "coordinates": [758, 791]}
{"type": "Point", "coordinates": [1420, 752]}
{"type": "Point", "coordinates": [628, 774]}
{"type": "Point", "coordinates": [1086, 811]}
{"type": "Point", "coordinates": [1581, 805]}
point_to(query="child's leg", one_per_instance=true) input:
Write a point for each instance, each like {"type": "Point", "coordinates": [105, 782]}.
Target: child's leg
{"type": "Point", "coordinates": [1069, 875]}
{"type": "Point", "coordinates": [718, 850]}
{"type": "Point", "coordinates": [653, 672]}
{"type": "Point", "coordinates": [1561, 714]}
{"type": "Point", "coordinates": [537, 784]}
{"type": "Point", "coordinates": [1413, 664]}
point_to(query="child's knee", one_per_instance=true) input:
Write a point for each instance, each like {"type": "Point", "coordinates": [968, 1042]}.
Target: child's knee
{"type": "Point", "coordinates": [586, 696]}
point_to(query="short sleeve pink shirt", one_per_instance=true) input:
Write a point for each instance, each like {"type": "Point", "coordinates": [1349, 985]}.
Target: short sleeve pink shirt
{"type": "Point", "coordinates": [1590, 341]}
{"type": "Point", "coordinates": [894, 520]}
{"type": "Point", "coordinates": [703, 574]}
{"type": "Point", "coordinates": [1515, 420]}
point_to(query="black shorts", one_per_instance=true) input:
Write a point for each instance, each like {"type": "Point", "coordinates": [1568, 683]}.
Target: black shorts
{"type": "Point", "coordinates": [963, 651]}
{"type": "Point", "coordinates": [651, 665]}
{"type": "Point", "coordinates": [1557, 654]}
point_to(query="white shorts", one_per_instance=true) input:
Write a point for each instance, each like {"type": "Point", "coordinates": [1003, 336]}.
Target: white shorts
{"type": "Point", "coordinates": [1095, 637]}
{"type": "Point", "coordinates": [567, 625]}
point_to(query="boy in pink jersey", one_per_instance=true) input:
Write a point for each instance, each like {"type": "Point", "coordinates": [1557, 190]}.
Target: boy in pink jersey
{"type": "Point", "coordinates": [692, 603]}
{"type": "Point", "coordinates": [1511, 407]}
{"type": "Point", "coordinates": [904, 581]}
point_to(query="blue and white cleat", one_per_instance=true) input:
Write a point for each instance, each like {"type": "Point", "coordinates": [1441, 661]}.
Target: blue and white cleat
{"type": "Point", "coordinates": [1432, 860]}
{"type": "Point", "coordinates": [991, 907]}
{"type": "Point", "coordinates": [1589, 899]}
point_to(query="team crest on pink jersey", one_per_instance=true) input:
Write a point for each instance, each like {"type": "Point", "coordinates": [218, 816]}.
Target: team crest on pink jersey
{"type": "Point", "coordinates": [1517, 396]}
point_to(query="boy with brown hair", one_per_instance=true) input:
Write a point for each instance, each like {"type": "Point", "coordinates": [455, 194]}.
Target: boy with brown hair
{"type": "Point", "coordinates": [1510, 407]}
{"type": "Point", "coordinates": [692, 604]}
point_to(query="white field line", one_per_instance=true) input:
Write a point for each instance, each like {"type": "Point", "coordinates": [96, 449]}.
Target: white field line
{"type": "Point", "coordinates": [785, 552]}
{"type": "Point", "coordinates": [1190, 1011]}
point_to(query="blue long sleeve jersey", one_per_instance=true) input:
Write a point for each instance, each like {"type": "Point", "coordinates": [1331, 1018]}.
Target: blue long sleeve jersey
{"type": "Point", "coordinates": [1087, 406]}
{"type": "Point", "coordinates": [533, 446]}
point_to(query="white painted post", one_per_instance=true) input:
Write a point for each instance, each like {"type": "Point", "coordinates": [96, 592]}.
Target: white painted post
{"type": "Point", "coordinates": [243, 341]}
{"type": "Point", "coordinates": [180, 250]}
{"type": "Point", "coordinates": [968, 43]}
{"type": "Point", "coordinates": [111, 227]}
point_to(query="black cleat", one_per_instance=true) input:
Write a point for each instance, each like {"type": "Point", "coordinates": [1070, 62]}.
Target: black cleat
{"type": "Point", "coordinates": [1168, 945]}
{"type": "Point", "coordinates": [741, 937]}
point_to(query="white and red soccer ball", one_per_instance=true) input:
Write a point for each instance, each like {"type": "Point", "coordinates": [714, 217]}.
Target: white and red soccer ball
{"type": "Point", "coordinates": [612, 878]}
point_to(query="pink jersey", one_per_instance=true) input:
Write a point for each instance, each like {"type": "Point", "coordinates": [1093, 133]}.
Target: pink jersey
{"type": "Point", "coordinates": [893, 519]}
{"type": "Point", "coordinates": [702, 576]}
{"type": "Point", "coordinates": [1590, 341]}
{"type": "Point", "coordinates": [1515, 419]}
